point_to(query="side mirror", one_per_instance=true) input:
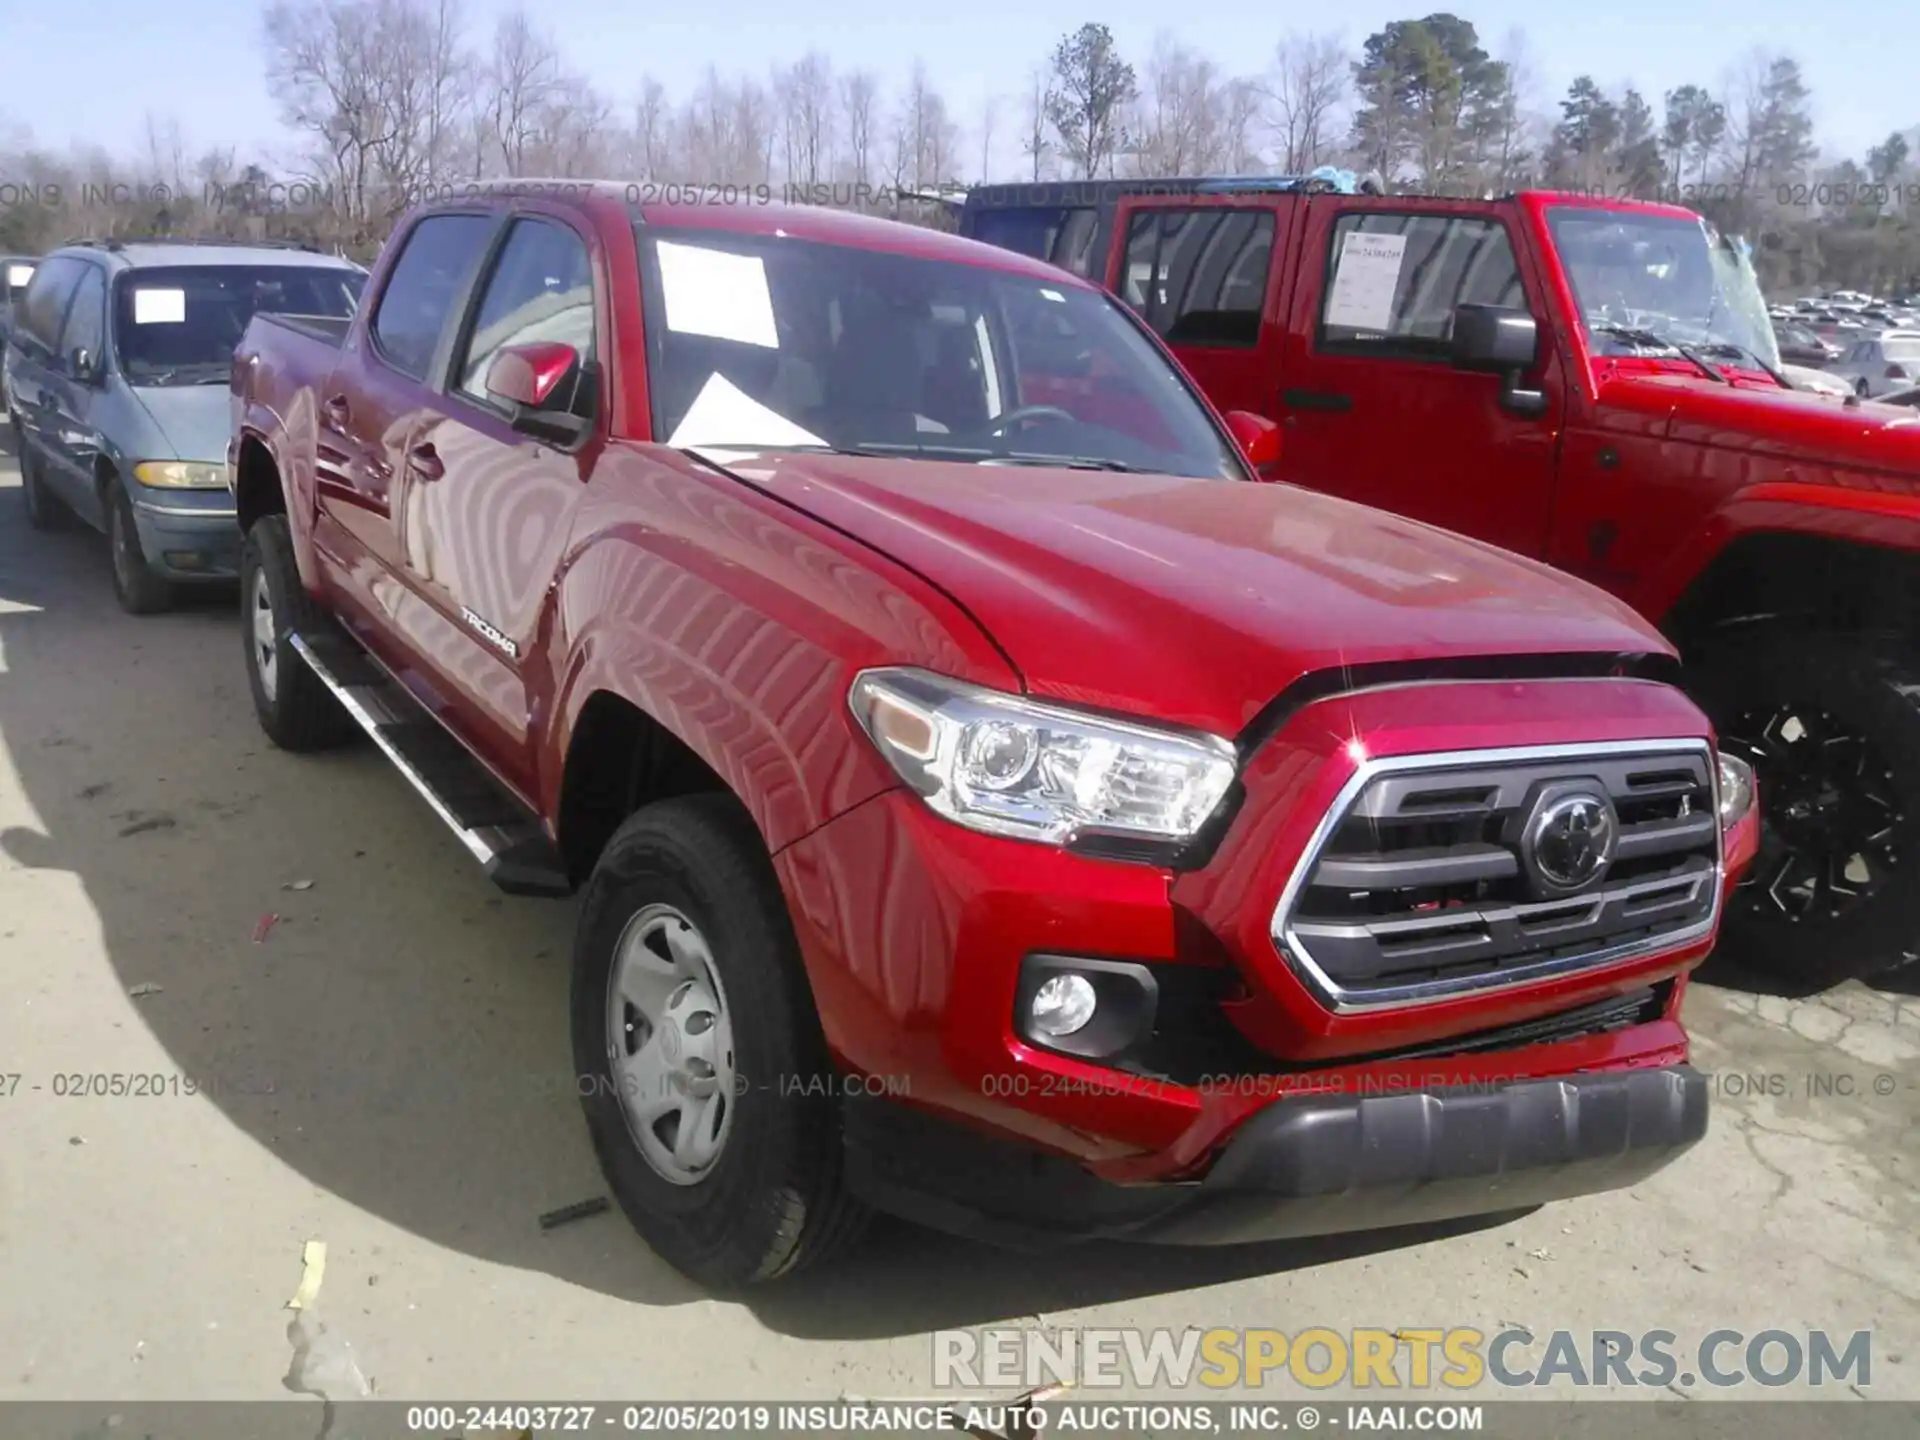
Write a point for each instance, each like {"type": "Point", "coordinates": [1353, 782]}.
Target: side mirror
{"type": "Point", "coordinates": [525, 377]}
{"type": "Point", "coordinates": [1505, 341]}
{"type": "Point", "coordinates": [82, 365]}
{"type": "Point", "coordinates": [1257, 436]}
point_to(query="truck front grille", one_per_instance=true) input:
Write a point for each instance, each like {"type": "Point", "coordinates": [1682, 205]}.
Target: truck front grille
{"type": "Point", "coordinates": [1441, 875]}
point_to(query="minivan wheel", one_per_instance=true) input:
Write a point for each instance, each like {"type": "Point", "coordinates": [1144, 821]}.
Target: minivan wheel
{"type": "Point", "coordinates": [296, 710]}
{"type": "Point", "coordinates": [1831, 724]}
{"type": "Point", "coordinates": [139, 590]}
{"type": "Point", "coordinates": [44, 512]}
{"type": "Point", "coordinates": [701, 1066]}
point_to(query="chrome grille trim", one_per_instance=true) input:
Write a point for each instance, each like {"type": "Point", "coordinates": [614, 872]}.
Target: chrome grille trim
{"type": "Point", "coordinates": [1286, 930]}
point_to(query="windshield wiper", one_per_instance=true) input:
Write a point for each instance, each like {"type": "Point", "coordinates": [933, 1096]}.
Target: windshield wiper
{"type": "Point", "coordinates": [1069, 462]}
{"type": "Point", "coordinates": [1648, 337]}
{"type": "Point", "coordinates": [1728, 347]}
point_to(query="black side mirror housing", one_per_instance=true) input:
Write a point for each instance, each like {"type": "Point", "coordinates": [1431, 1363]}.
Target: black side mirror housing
{"type": "Point", "coordinates": [83, 366]}
{"type": "Point", "coordinates": [1502, 340]}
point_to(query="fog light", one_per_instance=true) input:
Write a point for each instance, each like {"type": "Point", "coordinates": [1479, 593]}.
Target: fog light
{"type": "Point", "coordinates": [1062, 1005]}
{"type": "Point", "coordinates": [184, 559]}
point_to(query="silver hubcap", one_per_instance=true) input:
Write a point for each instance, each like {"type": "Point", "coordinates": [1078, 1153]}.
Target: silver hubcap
{"type": "Point", "coordinates": [670, 1044]}
{"type": "Point", "coordinates": [266, 640]}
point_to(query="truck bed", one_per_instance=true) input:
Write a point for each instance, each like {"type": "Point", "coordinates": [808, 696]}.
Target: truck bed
{"type": "Point", "coordinates": [327, 329]}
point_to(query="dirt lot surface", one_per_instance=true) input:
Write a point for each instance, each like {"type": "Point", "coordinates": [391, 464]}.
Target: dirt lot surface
{"type": "Point", "coordinates": [386, 1070]}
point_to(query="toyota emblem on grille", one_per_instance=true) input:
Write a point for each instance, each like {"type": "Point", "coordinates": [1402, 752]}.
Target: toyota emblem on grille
{"type": "Point", "coordinates": [1570, 841]}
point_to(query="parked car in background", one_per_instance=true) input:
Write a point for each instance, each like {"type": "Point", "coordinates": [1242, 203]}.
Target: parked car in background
{"type": "Point", "coordinates": [1819, 382]}
{"type": "Point", "coordinates": [1909, 398]}
{"type": "Point", "coordinates": [1594, 383]}
{"type": "Point", "coordinates": [1799, 345]}
{"type": "Point", "coordinates": [978, 778]}
{"type": "Point", "coordinates": [15, 272]}
{"type": "Point", "coordinates": [117, 371]}
{"type": "Point", "coordinates": [1873, 366]}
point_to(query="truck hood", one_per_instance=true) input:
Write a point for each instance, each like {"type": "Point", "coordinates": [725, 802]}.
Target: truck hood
{"type": "Point", "coordinates": [1192, 601]}
{"type": "Point", "coordinates": [1791, 424]}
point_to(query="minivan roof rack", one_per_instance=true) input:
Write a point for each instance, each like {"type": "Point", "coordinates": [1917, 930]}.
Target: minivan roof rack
{"type": "Point", "coordinates": [120, 242]}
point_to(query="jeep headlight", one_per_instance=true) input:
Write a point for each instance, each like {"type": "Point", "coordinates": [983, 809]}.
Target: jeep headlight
{"type": "Point", "coordinates": [181, 475]}
{"type": "Point", "coordinates": [1736, 790]}
{"type": "Point", "coordinates": [1009, 765]}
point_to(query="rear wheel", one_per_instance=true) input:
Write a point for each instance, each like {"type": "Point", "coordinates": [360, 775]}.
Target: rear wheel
{"type": "Point", "coordinates": [704, 1075]}
{"type": "Point", "coordinates": [136, 586]}
{"type": "Point", "coordinates": [1831, 724]}
{"type": "Point", "coordinates": [296, 710]}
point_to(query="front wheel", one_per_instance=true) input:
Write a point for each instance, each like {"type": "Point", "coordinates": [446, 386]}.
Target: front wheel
{"type": "Point", "coordinates": [136, 586]}
{"type": "Point", "coordinates": [1831, 725]}
{"type": "Point", "coordinates": [701, 1064]}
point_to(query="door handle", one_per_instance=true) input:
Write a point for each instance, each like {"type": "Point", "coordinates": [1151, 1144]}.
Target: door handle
{"type": "Point", "coordinates": [425, 461]}
{"type": "Point", "coordinates": [338, 412]}
{"type": "Point", "coordinates": [1315, 400]}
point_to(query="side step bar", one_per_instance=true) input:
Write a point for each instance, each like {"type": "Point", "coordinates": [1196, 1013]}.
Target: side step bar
{"type": "Point", "coordinates": [508, 841]}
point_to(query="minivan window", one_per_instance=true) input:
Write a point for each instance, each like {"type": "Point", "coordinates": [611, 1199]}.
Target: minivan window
{"type": "Point", "coordinates": [177, 325]}
{"type": "Point", "coordinates": [773, 342]}
{"type": "Point", "coordinates": [86, 318]}
{"type": "Point", "coordinates": [45, 305]}
{"type": "Point", "coordinates": [424, 286]}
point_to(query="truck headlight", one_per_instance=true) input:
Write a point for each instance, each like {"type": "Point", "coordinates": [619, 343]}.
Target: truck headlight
{"type": "Point", "coordinates": [181, 475]}
{"type": "Point", "coordinates": [1008, 765]}
{"type": "Point", "coordinates": [1736, 790]}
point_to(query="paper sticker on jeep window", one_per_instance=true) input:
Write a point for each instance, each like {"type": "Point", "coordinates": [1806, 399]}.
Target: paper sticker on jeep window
{"type": "Point", "coordinates": [159, 307]}
{"type": "Point", "coordinates": [1365, 282]}
{"type": "Point", "coordinates": [710, 292]}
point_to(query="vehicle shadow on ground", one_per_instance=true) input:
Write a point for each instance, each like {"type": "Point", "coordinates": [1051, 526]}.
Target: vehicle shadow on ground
{"type": "Point", "coordinates": [351, 994]}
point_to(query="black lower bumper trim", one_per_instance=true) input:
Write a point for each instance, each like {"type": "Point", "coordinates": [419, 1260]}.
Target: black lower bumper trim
{"type": "Point", "coordinates": [1304, 1165]}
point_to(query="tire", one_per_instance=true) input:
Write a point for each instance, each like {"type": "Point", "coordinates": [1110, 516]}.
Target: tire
{"type": "Point", "coordinates": [135, 585]}
{"type": "Point", "coordinates": [772, 1200]}
{"type": "Point", "coordinates": [44, 510]}
{"type": "Point", "coordinates": [1831, 723]}
{"type": "Point", "coordinates": [295, 708]}
{"type": "Point", "coordinates": [1862, 389]}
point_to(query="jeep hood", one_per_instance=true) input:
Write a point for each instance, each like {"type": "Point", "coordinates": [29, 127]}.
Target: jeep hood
{"type": "Point", "coordinates": [1192, 601]}
{"type": "Point", "coordinates": [1800, 425]}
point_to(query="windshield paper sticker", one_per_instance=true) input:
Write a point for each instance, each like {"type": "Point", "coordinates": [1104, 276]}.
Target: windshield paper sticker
{"type": "Point", "coordinates": [1364, 283]}
{"type": "Point", "coordinates": [710, 292]}
{"type": "Point", "coordinates": [723, 416]}
{"type": "Point", "coordinates": [159, 307]}
{"type": "Point", "coordinates": [18, 275]}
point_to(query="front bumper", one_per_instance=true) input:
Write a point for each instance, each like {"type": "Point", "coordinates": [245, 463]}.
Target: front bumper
{"type": "Point", "coordinates": [1305, 1165]}
{"type": "Point", "coordinates": [187, 534]}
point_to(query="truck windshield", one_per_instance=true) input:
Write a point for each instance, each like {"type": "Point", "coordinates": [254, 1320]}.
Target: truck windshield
{"type": "Point", "coordinates": [775, 342]}
{"type": "Point", "coordinates": [178, 325]}
{"type": "Point", "coordinates": [1648, 283]}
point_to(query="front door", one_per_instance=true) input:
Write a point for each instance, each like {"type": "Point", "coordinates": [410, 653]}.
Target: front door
{"type": "Point", "coordinates": [1371, 407]}
{"type": "Point", "coordinates": [1203, 271]}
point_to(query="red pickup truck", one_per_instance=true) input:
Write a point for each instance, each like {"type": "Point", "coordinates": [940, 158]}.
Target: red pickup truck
{"type": "Point", "coordinates": [992, 802]}
{"type": "Point", "coordinates": [1593, 383]}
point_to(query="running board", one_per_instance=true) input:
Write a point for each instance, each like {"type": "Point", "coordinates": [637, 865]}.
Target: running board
{"type": "Point", "coordinates": [508, 841]}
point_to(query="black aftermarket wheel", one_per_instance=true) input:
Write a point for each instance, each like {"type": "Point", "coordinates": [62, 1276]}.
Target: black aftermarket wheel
{"type": "Point", "coordinates": [699, 1052]}
{"type": "Point", "coordinates": [1831, 724]}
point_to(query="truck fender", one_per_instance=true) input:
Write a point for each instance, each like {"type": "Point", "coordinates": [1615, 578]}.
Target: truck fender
{"type": "Point", "coordinates": [290, 443]}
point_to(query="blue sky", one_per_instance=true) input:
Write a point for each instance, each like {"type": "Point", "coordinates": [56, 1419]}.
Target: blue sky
{"type": "Point", "coordinates": [91, 72]}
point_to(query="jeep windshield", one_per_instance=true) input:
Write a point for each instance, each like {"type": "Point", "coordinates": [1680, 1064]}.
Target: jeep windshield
{"type": "Point", "coordinates": [1652, 284]}
{"type": "Point", "coordinates": [178, 325]}
{"type": "Point", "coordinates": [772, 342]}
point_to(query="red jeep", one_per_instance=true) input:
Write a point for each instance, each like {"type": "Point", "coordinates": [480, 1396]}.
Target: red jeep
{"type": "Point", "coordinates": [991, 801]}
{"type": "Point", "coordinates": [1593, 383]}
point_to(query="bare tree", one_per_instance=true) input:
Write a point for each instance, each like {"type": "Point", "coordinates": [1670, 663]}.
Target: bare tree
{"type": "Point", "coordinates": [1035, 145]}
{"type": "Point", "coordinates": [323, 61]}
{"type": "Point", "coordinates": [859, 103]}
{"type": "Point", "coordinates": [926, 140]}
{"type": "Point", "coordinates": [652, 142]}
{"type": "Point", "coordinates": [1307, 90]}
{"type": "Point", "coordinates": [989, 120]}
{"type": "Point", "coordinates": [805, 96]}
{"type": "Point", "coordinates": [525, 83]}
{"type": "Point", "coordinates": [1177, 123]}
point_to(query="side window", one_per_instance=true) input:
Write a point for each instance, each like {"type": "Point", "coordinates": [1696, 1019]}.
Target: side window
{"type": "Point", "coordinates": [45, 304]}
{"type": "Point", "coordinates": [87, 318]}
{"type": "Point", "coordinates": [1199, 277]}
{"type": "Point", "coordinates": [420, 294]}
{"type": "Point", "coordinates": [1073, 242]}
{"type": "Point", "coordinates": [541, 288]}
{"type": "Point", "coordinates": [1392, 281]}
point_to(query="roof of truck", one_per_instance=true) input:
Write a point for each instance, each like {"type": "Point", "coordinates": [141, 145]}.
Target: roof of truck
{"type": "Point", "coordinates": [173, 254]}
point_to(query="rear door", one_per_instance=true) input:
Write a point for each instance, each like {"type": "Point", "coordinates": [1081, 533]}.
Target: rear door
{"type": "Point", "coordinates": [32, 349]}
{"type": "Point", "coordinates": [379, 393]}
{"type": "Point", "coordinates": [1373, 410]}
{"type": "Point", "coordinates": [1204, 272]}
{"type": "Point", "coordinates": [73, 436]}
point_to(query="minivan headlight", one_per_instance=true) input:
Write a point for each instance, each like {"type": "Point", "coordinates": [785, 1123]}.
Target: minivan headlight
{"type": "Point", "coordinates": [1008, 765]}
{"type": "Point", "coordinates": [181, 475]}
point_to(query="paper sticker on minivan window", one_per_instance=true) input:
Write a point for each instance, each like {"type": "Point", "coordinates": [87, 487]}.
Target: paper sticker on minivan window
{"type": "Point", "coordinates": [1364, 283]}
{"type": "Point", "coordinates": [159, 307]}
{"type": "Point", "coordinates": [18, 275]}
{"type": "Point", "coordinates": [710, 292]}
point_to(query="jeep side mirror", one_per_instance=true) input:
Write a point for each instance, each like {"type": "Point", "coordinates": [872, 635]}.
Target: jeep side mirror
{"type": "Point", "coordinates": [524, 378]}
{"type": "Point", "coordinates": [1257, 436]}
{"type": "Point", "coordinates": [1505, 341]}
